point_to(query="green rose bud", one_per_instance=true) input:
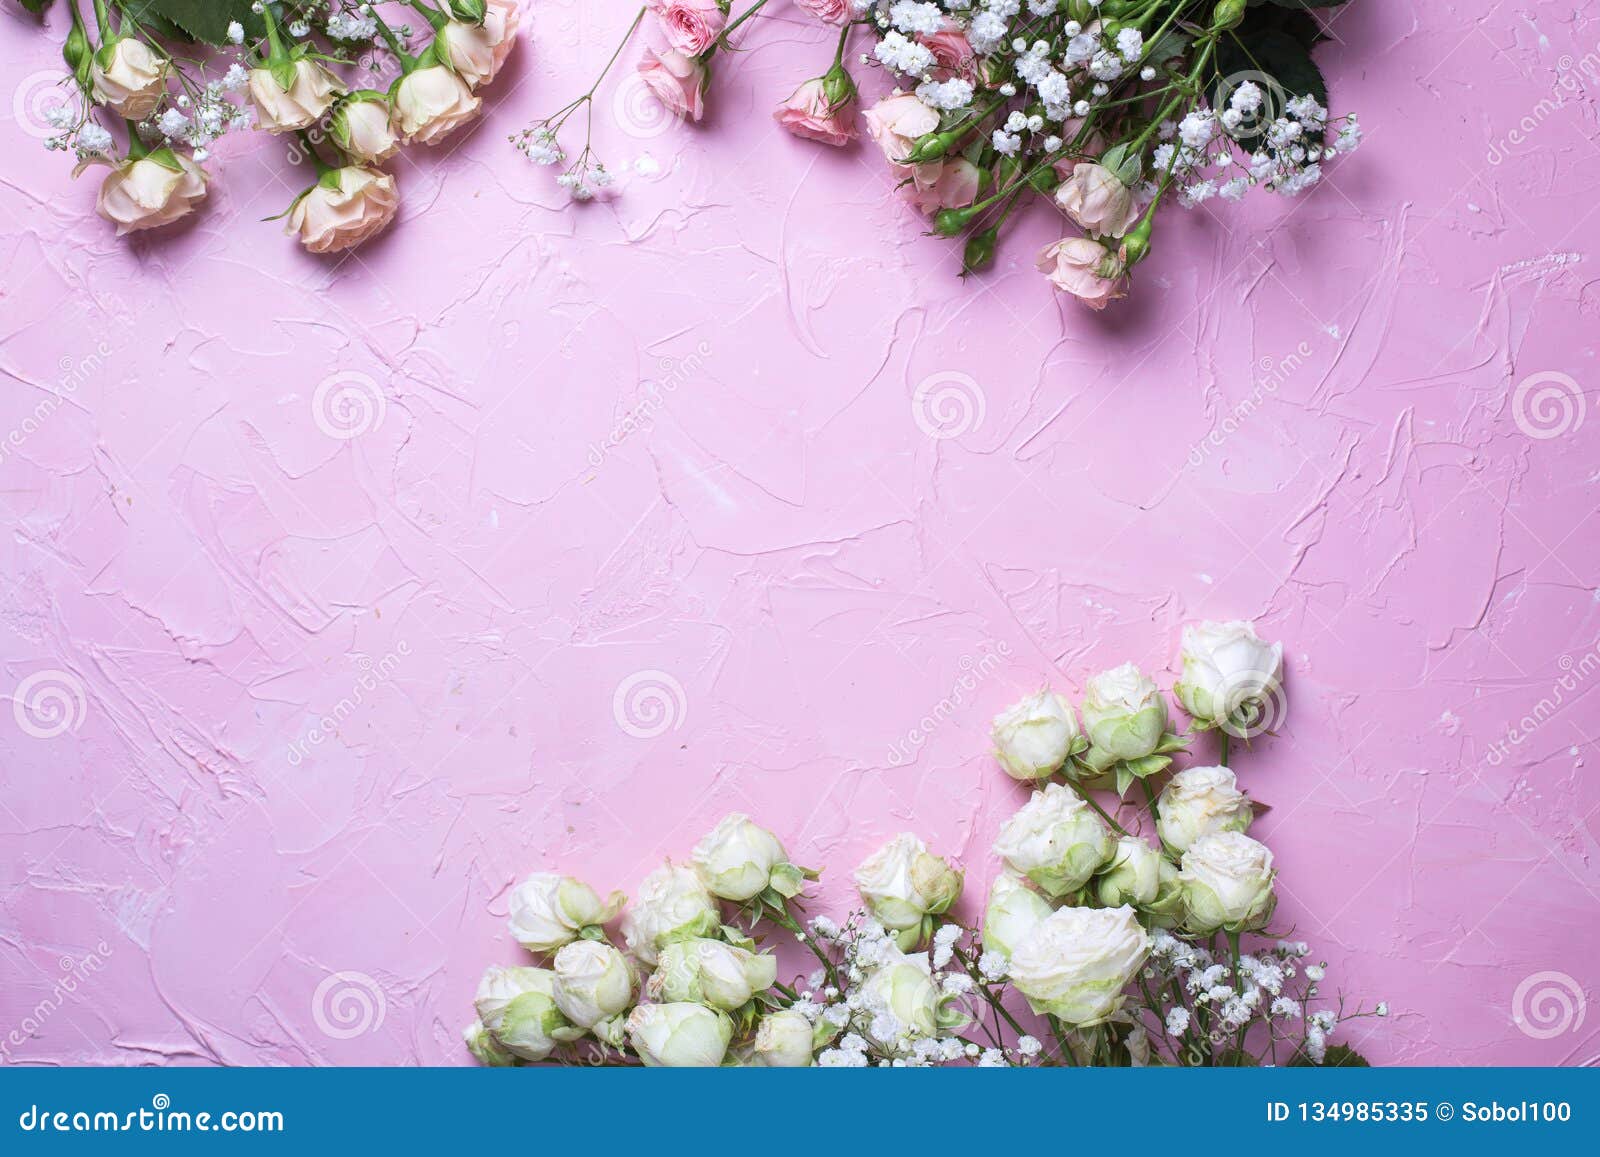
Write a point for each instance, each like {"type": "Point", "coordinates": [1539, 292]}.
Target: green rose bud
{"type": "Point", "coordinates": [784, 1040]}
{"type": "Point", "coordinates": [679, 1035]}
{"type": "Point", "coordinates": [1132, 877]}
{"type": "Point", "coordinates": [904, 886]}
{"type": "Point", "coordinates": [1124, 713]}
{"type": "Point", "coordinates": [712, 973]}
{"type": "Point", "coordinates": [1013, 912]}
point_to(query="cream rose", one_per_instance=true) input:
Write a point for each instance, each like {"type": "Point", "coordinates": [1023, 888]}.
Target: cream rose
{"type": "Point", "coordinates": [485, 1049]}
{"type": "Point", "coordinates": [679, 1035]}
{"type": "Point", "coordinates": [361, 127]}
{"type": "Point", "coordinates": [431, 103]}
{"type": "Point", "coordinates": [1199, 802]}
{"type": "Point", "coordinates": [672, 904]}
{"type": "Point", "coordinates": [784, 1040]}
{"type": "Point", "coordinates": [1228, 673]}
{"type": "Point", "coordinates": [1227, 883]}
{"type": "Point", "coordinates": [1124, 713]}
{"type": "Point", "coordinates": [1055, 840]}
{"type": "Point", "coordinates": [311, 93]}
{"type": "Point", "coordinates": [593, 982]}
{"type": "Point", "coordinates": [1033, 738]}
{"type": "Point", "coordinates": [897, 121]}
{"type": "Point", "coordinates": [740, 859]}
{"type": "Point", "coordinates": [151, 191]}
{"type": "Point", "coordinates": [129, 77]}
{"type": "Point", "coordinates": [710, 972]}
{"type": "Point", "coordinates": [345, 208]}
{"type": "Point", "coordinates": [1077, 963]}
{"type": "Point", "coordinates": [477, 51]}
{"type": "Point", "coordinates": [1133, 875]}
{"type": "Point", "coordinates": [905, 885]}
{"type": "Point", "coordinates": [549, 910]}
{"type": "Point", "coordinates": [1097, 200]}
{"type": "Point", "coordinates": [1013, 912]}
{"type": "Point", "coordinates": [518, 1006]}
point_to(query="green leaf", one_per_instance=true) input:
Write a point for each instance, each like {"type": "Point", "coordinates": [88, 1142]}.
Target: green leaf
{"type": "Point", "coordinates": [1337, 1057]}
{"type": "Point", "coordinates": [1280, 53]}
{"type": "Point", "coordinates": [37, 7]}
{"type": "Point", "coordinates": [208, 20]}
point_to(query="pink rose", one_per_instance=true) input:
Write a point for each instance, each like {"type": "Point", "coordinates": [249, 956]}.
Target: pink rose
{"type": "Point", "coordinates": [1084, 268]}
{"type": "Point", "coordinates": [678, 81]}
{"type": "Point", "coordinates": [431, 103]}
{"type": "Point", "coordinates": [691, 26]}
{"type": "Point", "coordinates": [896, 122]}
{"type": "Point", "coordinates": [828, 11]}
{"type": "Point", "coordinates": [1099, 202]}
{"type": "Point", "coordinates": [811, 113]}
{"type": "Point", "coordinates": [948, 184]}
{"type": "Point", "coordinates": [477, 51]}
{"type": "Point", "coordinates": [334, 217]}
{"type": "Point", "coordinates": [952, 53]}
{"type": "Point", "coordinates": [147, 193]}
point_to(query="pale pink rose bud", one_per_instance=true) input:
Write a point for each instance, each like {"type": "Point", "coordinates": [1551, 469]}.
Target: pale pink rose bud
{"type": "Point", "coordinates": [431, 103]}
{"type": "Point", "coordinates": [1098, 201]}
{"type": "Point", "coordinates": [150, 192]}
{"type": "Point", "coordinates": [1084, 268]}
{"type": "Point", "coordinates": [309, 95]}
{"type": "Point", "coordinates": [477, 51]}
{"type": "Point", "coordinates": [948, 184]}
{"type": "Point", "coordinates": [821, 110]}
{"type": "Point", "coordinates": [345, 208]}
{"type": "Point", "coordinates": [678, 81]}
{"type": "Point", "coordinates": [690, 26]}
{"type": "Point", "coordinates": [361, 127]}
{"type": "Point", "coordinates": [896, 122]}
{"type": "Point", "coordinates": [830, 11]}
{"type": "Point", "coordinates": [133, 79]}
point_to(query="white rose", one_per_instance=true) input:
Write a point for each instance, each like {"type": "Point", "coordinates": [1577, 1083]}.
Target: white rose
{"type": "Point", "coordinates": [679, 1035]}
{"type": "Point", "coordinates": [1077, 963]}
{"type": "Point", "coordinates": [548, 911]}
{"type": "Point", "coordinates": [151, 191]}
{"type": "Point", "coordinates": [902, 1000]}
{"type": "Point", "coordinates": [1228, 673]}
{"type": "Point", "coordinates": [345, 208]}
{"type": "Point", "coordinates": [129, 77]}
{"type": "Point", "coordinates": [1227, 883]}
{"type": "Point", "coordinates": [783, 1041]}
{"type": "Point", "coordinates": [672, 904]}
{"type": "Point", "coordinates": [361, 128]}
{"type": "Point", "coordinates": [1124, 713]}
{"type": "Point", "coordinates": [593, 982]}
{"type": "Point", "coordinates": [711, 972]}
{"type": "Point", "coordinates": [1133, 876]}
{"type": "Point", "coordinates": [1013, 912]}
{"type": "Point", "coordinates": [1055, 840]}
{"type": "Point", "coordinates": [518, 1006]}
{"type": "Point", "coordinates": [484, 1048]}
{"type": "Point", "coordinates": [737, 860]}
{"type": "Point", "coordinates": [431, 103]}
{"type": "Point", "coordinates": [311, 92]}
{"type": "Point", "coordinates": [1033, 738]}
{"type": "Point", "coordinates": [476, 51]}
{"type": "Point", "coordinates": [1201, 801]}
{"type": "Point", "coordinates": [905, 885]}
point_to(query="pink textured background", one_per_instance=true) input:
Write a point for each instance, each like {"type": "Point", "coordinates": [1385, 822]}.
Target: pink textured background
{"type": "Point", "coordinates": [783, 539]}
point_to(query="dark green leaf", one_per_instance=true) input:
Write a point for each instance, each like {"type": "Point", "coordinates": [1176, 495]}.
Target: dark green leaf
{"type": "Point", "coordinates": [1276, 53]}
{"type": "Point", "coordinates": [1337, 1057]}
{"type": "Point", "coordinates": [208, 20]}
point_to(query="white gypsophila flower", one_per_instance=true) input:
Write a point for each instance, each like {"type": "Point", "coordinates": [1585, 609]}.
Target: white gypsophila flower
{"type": "Point", "coordinates": [1077, 962]}
{"type": "Point", "coordinates": [672, 904]}
{"type": "Point", "coordinates": [914, 16]}
{"type": "Point", "coordinates": [904, 884]}
{"type": "Point", "coordinates": [903, 1003]}
{"type": "Point", "coordinates": [1198, 802]}
{"type": "Point", "coordinates": [1006, 144]}
{"type": "Point", "coordinates": [1034, 737]}
{"type": "Point", "coordinates": [1124, 713]}
{"type": "Point", "coordinates": [1055, 840]}
{"type": "Point", "coordinates": [1227, 883]}
{"type": "Point", "coordinates": [549, 910]}
{"type": "Point", "coordinates": [235, 32]}
{"type": "Point", "coordinates": [1013, 912]}
{"type": "Point", "coordinates": [895, 52]}
{"type": "Point", "coordinates": [946, 94]}
{"type": "Point", "coordinates": [736, 860]}
{"type": "Point", "coordinates": [1130, 43]}
{"type": "Point", "coordinates": [679, 1035]}
{"type": "Point", "coordinates": [1177, 1022]}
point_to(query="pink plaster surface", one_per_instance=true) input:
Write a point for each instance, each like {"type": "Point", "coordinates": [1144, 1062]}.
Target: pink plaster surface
{"type": "Point", "coordinates": [526, 526]}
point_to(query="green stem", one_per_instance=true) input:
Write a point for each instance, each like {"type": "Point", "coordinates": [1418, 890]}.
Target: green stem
{"type": "Point", "coordinates": [1083, 794]}
{"type": "Point", "coordinates": [1224, 741]}
{"type": "Point", "coordinates": [408, 63]}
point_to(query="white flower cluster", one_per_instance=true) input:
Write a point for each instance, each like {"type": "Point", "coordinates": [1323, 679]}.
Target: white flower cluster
{"type": "Point", "coordinates": [1112, 935]}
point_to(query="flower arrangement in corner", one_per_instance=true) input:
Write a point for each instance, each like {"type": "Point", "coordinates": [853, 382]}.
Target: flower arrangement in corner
{"type": "Point", "coordinates": [179, 74]}
{"type": "Point", "coordinates": [1119, 932]}
{"type": "Point", "coordinates": [1106, 108]}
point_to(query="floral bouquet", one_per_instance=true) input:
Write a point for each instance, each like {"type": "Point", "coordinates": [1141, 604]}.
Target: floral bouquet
{"type": "Point", "coordinates": [1107, 108]}
{"type": "Point", "coordinates": [1118, 933]}
{"type": "Point", "coordinates": [179, 74]}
